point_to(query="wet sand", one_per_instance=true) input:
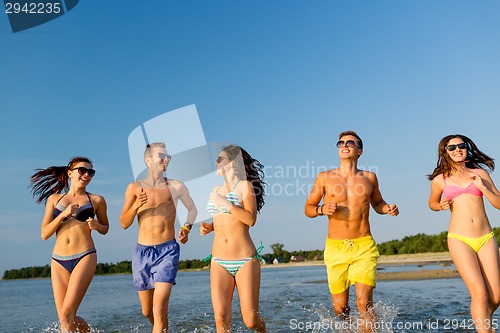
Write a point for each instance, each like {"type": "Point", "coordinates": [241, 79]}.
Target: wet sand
{"type": "Point", "coordinates": [416, 258]}
{"type": "Point", "coordinates": [442, 258]}
{"type": "Point", "coordinates": [424, 274]}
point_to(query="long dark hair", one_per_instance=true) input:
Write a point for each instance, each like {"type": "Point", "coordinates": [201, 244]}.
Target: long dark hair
{"type": "Point", "coordinates": [252, 171]}
{"type": "Point", "coordinates": [475, 158]}
{"type": "Point", "coordinates": [54, 179]}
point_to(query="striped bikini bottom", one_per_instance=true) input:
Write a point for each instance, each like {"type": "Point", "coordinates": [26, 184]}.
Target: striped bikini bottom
{"type": "Point", "coordinates": [232, 266]}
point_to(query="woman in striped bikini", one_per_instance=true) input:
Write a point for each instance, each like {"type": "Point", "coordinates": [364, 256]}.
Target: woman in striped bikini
{"type": "Point", "coordinates": [72, 217]}
{"type": "Point", "coordinates": [235, 263]}
{"type": "Point", "coordinates": [459, 184]}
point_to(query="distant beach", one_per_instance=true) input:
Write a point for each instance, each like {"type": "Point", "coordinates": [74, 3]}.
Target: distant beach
{"type": "Point", "coordinates": [442, 258]}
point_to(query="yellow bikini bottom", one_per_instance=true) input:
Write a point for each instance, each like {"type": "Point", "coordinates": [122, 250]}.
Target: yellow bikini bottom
{"type": "Point", "coordinates": [475, 243]}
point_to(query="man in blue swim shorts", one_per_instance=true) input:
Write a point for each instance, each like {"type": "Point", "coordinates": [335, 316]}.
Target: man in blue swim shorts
{"type": "Point", "coordinates": [350, 252]}
{"type": "Point", "coordinates": [156, 258]}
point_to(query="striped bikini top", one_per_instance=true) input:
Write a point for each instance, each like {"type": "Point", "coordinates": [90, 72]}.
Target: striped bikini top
{"type": "Point", "coordinates": [231, 196]}
{"type": "Point", "coordinates": [453, 191]}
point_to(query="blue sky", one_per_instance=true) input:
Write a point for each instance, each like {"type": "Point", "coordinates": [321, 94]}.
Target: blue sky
{"type": "Point", "coordinates": [279, 78]}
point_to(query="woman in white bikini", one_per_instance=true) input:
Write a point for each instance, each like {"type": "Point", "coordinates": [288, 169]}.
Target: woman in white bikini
{"type": "Point", "coordinates": [235, 263]}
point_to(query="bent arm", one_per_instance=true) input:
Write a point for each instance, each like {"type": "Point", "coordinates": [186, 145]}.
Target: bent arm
{"type": "Point", "coordinates": [188, 202]}
{"type": "Point", "coordinates": [314, 197]}
{"type": "Point", "coordinates": [102, 216]}
{"type": "Point", "coordinates": [435, 196]}
{"type": "Point", "coordinates": [489, 189]}
{"type": "Point", "coordinates": [378, 203]}
{"type": "Point", "coordinates": [49, 223]}
{"type": "Point", "coordinates": [129, 210]}
{"type": "Point", "coordinates": [247, 214]}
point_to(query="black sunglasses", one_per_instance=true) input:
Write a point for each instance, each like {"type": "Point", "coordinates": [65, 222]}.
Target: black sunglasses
{"type": "Point", "coordinates": [83, 170]}
{"type": "Point", "coordinates": [348, 144]}
{"type": "Point", "coordinates": [220, 159]}
{"type": "Point", "coordinates": [453, 147]}
{"type": "Point", "coordinates": [163, 156]}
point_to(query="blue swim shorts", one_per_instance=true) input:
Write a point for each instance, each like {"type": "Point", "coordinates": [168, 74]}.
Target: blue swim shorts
{"type": "Point", "coordinates": [155, 263]}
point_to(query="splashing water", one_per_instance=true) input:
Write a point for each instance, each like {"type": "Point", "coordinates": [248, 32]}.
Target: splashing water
{"type": "Point", "coordinates": [292, 300]}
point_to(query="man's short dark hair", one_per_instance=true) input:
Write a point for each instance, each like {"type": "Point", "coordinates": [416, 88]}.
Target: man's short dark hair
{"type": "Point", "coordinates": [354, 134]}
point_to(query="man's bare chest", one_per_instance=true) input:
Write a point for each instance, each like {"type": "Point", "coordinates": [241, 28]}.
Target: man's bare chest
{"type": "Point", "coordinates": [160, 197]}
{"type": "Point", "coordinates": [344, 188]}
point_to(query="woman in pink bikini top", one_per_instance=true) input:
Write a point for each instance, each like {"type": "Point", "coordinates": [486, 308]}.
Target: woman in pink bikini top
{"type": "Point", "coordinates": [453, 191]}
{"type": "Point", "coordinates": [459, 183]}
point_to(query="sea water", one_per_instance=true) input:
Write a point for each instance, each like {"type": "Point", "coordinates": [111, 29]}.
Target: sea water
{"type": "Point", "coordinates": [293, 300]}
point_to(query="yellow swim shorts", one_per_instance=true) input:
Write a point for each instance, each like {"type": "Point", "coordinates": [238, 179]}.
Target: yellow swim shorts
{"type": "Point", "coordinates": [350, 261]}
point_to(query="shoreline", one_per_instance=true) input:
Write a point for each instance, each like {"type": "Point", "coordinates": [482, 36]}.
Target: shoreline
{"type": "Point", "coordinates": [419, 259]}
{"type": "Point", "coordinates": [385, 260]}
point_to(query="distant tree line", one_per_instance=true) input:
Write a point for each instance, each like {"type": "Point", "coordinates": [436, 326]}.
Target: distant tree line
{"type": "Point", "coordinates": [415, 244]}
{"type": "Point", "coordinates": [27, 272]}
{"type": "Point", "coordinates": [419, 243]}
{"type": "Point", "coordinates": [123, 267]}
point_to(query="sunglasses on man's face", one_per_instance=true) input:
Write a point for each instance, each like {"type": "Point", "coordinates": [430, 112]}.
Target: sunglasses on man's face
{"type": "Point", "coordinates": [83, 170]}
{"type": "Point", "coordinates": [348, 144]}
{"type": "Point", "coordinates": [163, 156]}
{"type": "Point", "coordinates": [453, 147]}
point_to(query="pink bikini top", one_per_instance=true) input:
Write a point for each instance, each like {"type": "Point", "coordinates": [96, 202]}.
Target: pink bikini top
{"type": "Point", "coordinates": [453, 191]}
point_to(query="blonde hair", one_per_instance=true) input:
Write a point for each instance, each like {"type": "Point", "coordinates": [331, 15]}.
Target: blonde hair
{"type": "Point", "coordinates": [152, 145]}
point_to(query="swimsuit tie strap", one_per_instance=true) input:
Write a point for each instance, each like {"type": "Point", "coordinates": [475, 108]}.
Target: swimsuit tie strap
{"type": "Point", "coordinates": [151, 249]}
{"type": "Point", "coordinates": [349, 242]}
{"type": "Point", "coordinates": [257, 253]}
{"type": "Point", "coordinates": [208, 258]}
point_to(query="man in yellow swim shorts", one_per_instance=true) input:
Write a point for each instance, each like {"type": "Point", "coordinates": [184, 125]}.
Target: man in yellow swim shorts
{"type": "Point", "coordinates": [350, 251]}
